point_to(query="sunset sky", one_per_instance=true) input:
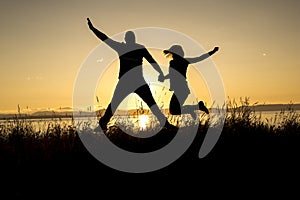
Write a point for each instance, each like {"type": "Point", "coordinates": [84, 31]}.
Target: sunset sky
{"type": "Point", "coordinates": [44, 43]}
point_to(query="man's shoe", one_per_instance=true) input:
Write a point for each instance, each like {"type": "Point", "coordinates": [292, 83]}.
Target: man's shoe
{"type": "Point", "coordinates": [169, 126]}
{"type": "Point", "coordinates": [102, 126]}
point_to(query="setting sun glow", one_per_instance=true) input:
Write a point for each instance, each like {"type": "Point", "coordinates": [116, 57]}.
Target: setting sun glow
{"type": "Point", "coordinates": [143, 121]}
{"type": "Point", "coordinates": [44, 43]}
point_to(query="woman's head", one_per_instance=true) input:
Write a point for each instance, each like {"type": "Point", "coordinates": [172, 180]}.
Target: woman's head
{"type": "Point", "coordinates": [175, 50]}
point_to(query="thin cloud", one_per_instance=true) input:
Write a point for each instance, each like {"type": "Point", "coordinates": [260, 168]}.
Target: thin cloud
{"type": "Point", "coordinates": [34, 78]}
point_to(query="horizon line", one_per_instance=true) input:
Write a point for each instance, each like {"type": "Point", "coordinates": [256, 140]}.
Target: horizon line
{"type": "Point", "coordinates": [67, 109]}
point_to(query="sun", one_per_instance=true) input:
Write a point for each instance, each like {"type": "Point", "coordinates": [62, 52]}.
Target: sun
{"type": "Point", "coordinates": [143, 120]}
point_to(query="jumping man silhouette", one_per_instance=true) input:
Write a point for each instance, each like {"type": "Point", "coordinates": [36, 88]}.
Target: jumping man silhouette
{"type": "Point", "coordinates": [131, 78]}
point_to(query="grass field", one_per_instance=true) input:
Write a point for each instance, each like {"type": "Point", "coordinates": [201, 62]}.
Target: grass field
{"type": "Point", "coordinates": [247, 143]}
{"type": "Point", "coordinates": [57, 140]}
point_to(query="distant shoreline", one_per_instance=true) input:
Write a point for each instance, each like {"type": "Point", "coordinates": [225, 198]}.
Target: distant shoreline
{"type": "Point", "coordinates": [276, 107]}
{"type": "Point", "coordinates": [132, 112]}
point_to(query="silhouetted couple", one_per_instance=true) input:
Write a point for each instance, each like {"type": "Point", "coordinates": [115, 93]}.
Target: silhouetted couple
{"type": "Point", "coordinates": [131, 78]}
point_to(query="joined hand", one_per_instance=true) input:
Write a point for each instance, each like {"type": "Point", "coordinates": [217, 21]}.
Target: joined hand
{"type": "Point", "coordinates": [161, 78]}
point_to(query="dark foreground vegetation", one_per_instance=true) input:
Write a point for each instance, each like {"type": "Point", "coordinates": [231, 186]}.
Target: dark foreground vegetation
{"type": "Point", "coordinates": [249, 149]}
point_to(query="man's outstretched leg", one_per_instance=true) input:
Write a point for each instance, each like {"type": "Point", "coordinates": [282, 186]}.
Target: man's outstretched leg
{"type": "Point", "coordinates": [161, 117]}
{"type": "Point", "coordinates": [105, 119]}
{"type": "Point", "coordinates": [145, 93]}
{"type": "Point", "coordinates": [121, 91]}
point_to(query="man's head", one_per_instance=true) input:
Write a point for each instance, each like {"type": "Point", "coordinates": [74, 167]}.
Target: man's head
{"type": "Point", "coordinates": [129, 37]}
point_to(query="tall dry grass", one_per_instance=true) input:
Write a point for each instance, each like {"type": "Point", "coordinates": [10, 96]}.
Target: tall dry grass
{"type": "Point", "coordinates": [21, 140]}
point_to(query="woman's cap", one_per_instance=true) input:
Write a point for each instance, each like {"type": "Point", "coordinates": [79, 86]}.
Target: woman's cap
{"type": "Point", "coordinates": [175, 49]}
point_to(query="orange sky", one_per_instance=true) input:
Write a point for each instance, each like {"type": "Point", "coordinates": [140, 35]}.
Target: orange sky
{"type": "Point", "coordinates": [44, 43]}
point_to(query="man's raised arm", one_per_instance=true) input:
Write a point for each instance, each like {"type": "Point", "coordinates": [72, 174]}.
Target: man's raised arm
{"type": "Point", "coordinates": [113, 44]}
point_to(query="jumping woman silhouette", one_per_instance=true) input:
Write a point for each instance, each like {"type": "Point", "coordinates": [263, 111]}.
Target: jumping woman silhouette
{"type": "Point", "coordinates": [177, 74]}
